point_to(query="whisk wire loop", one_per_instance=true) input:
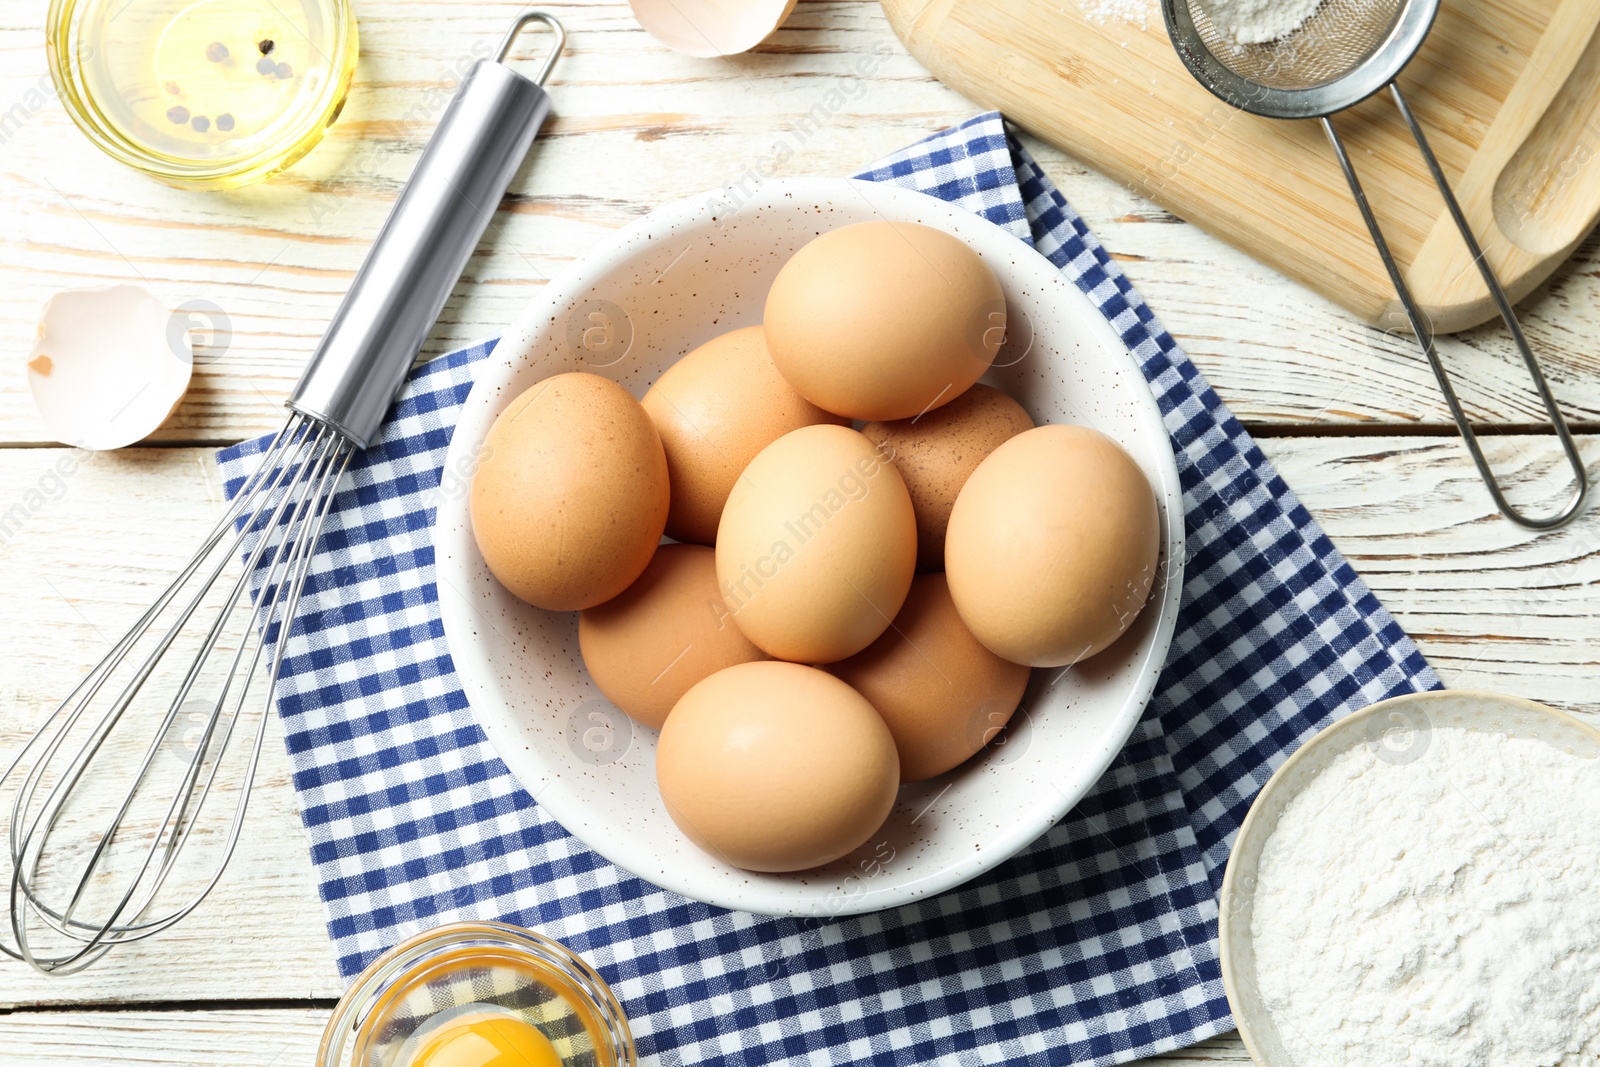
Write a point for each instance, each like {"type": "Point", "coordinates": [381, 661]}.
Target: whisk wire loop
{"type": "Point", "coordinates": [274, 521]}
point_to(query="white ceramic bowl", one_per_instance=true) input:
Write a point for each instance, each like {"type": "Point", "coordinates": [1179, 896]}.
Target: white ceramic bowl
{"type": "Point", "coordinates": [628, 310]}
{"type": "Point", "coordinates": [1403, 724]}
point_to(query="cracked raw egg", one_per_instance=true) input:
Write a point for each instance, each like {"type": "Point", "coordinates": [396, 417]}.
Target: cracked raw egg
{"type": "Point", "coordinates": [478, 1035]}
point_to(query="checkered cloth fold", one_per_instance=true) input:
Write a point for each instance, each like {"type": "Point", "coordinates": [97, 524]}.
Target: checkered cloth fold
{"type": "Point", "coordinates": [1097, 944]}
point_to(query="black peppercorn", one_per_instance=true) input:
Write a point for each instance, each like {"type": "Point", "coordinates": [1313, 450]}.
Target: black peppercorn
{"type": "Point", "coordinates": [178, 115]}
{"type": "Point", "coordinates": [265, 46]}
{"type": "Point", "coordinates": [216, 51]}
{"type": "Point", "coordinates": [200, 123]}
{"type": "Point", "coordinates": [224, 122]}
{"type": "Point", "coordinates": [265, 66]}
{"type": "Point", "coordinates": [285, 71]}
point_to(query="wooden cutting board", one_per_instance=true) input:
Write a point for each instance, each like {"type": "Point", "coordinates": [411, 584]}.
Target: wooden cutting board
{"type": "Point", "coordinates": [1507, 90]}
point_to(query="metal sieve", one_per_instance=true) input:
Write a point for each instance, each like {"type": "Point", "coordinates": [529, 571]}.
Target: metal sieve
{"type": "Point", "coordinates": [1346, 51]}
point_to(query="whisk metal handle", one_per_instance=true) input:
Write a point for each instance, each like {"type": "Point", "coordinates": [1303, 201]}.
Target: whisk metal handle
{"type": "Point", "coordinates": [425, 244]}
{"type": "Point", "coordinates": [1425, 337]}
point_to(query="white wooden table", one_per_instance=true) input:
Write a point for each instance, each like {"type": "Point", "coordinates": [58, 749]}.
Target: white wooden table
{"type": "Point", "coordinates": [1351, 417]}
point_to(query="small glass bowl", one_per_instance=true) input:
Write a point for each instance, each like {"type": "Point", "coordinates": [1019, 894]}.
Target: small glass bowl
{"type": "Point", "coordinates": [498, 966]}
{"type": "Point", "coordinates": [209, 93]}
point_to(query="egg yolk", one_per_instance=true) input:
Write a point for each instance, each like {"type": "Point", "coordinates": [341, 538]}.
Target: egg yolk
{"type": "Point", "coordinates": [486, 1040]}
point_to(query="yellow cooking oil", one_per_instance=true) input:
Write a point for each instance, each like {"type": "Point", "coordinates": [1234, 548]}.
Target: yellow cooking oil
{"type": "Point", "coordinates": [212, 92]}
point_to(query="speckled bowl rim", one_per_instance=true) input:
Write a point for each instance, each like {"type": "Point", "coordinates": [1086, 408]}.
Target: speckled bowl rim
{"type": "Point", "coordinates": [1250, 1016]}
{"type": "Point", "coordinates": [814, 895]}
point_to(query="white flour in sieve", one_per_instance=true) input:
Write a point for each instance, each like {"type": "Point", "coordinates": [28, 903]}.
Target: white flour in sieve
{"type": "Point", "coordinates": [1259, 21]}
{"type": "Point", "coordinates": [1443, 912]}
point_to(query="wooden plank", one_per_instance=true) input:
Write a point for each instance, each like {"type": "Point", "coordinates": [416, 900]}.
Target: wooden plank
{"type": "Point", "coordinates": [254, 1038]}
{"type": "Point", "coordinates": [270, 1038]}
{"type": "Point", "coordinates": [637, 126]}
{"type": "Point", "coordinates": [1491, 605]}
{"type": "Point", "coordinates": [1225, 1049]}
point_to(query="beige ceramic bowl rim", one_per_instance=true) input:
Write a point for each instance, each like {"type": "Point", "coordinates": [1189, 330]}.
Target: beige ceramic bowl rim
{"type": "Point", "coordinates": [396, 964]}
{"type": "Point", "coordinates": [61, 31]}
{"type": "Point", "coordinates": [1242, 1012]}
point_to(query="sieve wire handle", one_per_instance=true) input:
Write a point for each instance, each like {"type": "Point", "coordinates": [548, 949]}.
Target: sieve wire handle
{"type": "Point", "coordinates": [1424, 330]}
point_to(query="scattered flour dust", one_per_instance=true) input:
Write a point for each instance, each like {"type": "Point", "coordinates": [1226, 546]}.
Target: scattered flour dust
{"type": "Point", "coordinates": [1438, 913]}
{"type": "Point", "coordinates": [1141, 13]}
{"type": "Point", "coordinates": [1259, 21]}
{"type": "Point", "coordinates": [1245, 21]}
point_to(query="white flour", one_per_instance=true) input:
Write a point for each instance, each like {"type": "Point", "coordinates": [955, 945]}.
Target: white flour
{"type": "Point", "coordinates": [1438, 913]}
{"type": "Point", "coordinates": [1139, 13]}
{"type": "Point", "coordinates": [1259, 21]}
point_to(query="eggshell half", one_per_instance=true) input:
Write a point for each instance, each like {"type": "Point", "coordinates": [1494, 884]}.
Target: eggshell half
{"type": "Point", "coordinates": [709, 28]}
{"type": "Point", "coordinates": [570, 495]}
{"type": "Point", "coordinates": [941, 693]}
{"type": "Point", "coordinates": [1052, 546]}
{"type": "Point", "coordinates": [661, 635]}
{"type": "Point", "coordinates": [936, 453]}
{"type": "Point", "coordinates": [107, 368]}
{"type": "Point", "coordinates": [776, 767]}
{"type": "Point", "coordinates": [884, 320]}
{"type": "Point", "coordinates": [715, 409]}
{"type": "Point", "coordinates": [817, 545]}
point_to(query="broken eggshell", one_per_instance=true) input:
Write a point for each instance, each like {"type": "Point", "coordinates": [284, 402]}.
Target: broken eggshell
{"type": "Point", "coordinates": [104, 372]}
{"type": "Point", "coordinates": [710, 28]}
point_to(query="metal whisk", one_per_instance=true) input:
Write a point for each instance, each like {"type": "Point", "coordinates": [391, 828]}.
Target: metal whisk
{"type": "Point", "coordinates": [1346, 51]}
{"type": "Point", "coordinates": [122, 781]}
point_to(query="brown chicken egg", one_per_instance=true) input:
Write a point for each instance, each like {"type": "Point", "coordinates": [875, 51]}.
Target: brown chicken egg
{"type": "Point", "coordinates": [776, 767]}
{"type": "Point", "coordinates": [884, 320]}
{"type": "Point", "coordinates": [936, 452]}
{"type": "Point", "coordinates": [1052, 546]}
{"type": "Point", "coordinates": [941, 693]}
{"type": "Point", "coordinates": [570, 495]}
{"type": "Point", "coordinates": [817, 545]}
{"type": "Point", "coordinates": [645, 647]}
{"type": "Point", "coordinates": [715, 409]}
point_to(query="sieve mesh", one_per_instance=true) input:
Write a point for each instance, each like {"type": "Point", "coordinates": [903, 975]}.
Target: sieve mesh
{"type": "Point", "coordinates": [1338, 37]}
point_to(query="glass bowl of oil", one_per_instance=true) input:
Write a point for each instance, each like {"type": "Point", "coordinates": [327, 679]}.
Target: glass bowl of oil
{"type": "Point", "coordinates": [217, 93]}
{"type": "Point", "coordinates": [478, 994]}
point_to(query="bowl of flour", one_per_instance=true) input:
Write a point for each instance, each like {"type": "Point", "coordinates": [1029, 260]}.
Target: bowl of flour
{"type": "Point", "coordinates": [1419, 886]}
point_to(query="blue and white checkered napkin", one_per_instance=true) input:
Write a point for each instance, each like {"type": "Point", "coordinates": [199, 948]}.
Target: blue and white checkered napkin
{"type": "Point", "coordinates": [1095, 945]}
